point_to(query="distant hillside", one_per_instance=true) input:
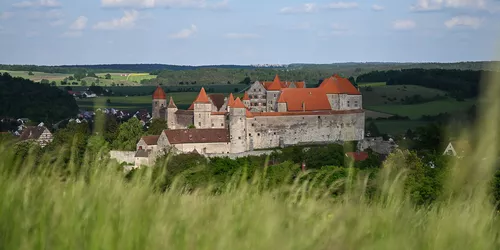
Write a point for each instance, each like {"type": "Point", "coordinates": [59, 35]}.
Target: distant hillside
{"type": "Point", "coordinates": [311, 73]}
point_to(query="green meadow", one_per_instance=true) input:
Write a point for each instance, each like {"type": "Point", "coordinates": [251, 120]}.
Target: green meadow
{"type": "Point", "coordinates": [415, 111]}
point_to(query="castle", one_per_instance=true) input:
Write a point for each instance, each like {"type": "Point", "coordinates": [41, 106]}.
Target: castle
{"type": "Point", "coordinates": [270, 115]}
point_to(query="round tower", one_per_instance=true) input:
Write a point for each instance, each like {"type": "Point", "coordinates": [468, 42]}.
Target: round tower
{"type": "Point", "coordinates": [202, 110]}
{"type": "Point", "coordinates": [171, 116]}
{"type": "Point", "coordinates": [159, 102]}
{"type": "Point", "coordinates": [237, 127]}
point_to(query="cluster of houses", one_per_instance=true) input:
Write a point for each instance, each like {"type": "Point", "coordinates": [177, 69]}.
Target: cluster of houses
{"type": "Point", "coordinates": [82, 94]}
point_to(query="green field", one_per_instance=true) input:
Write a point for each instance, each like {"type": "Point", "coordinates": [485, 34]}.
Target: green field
{"type": "Point", "coordinates": [372, 84]}
{"type": "Point", "coordinates": [380, 95]}
{"type": "Point", "coordinates": [397, 127]}
{"type": "Point", "coordinates": [133, 79]}
{"type": "Point", "coordinates": [430, 108]}
{"type": "Point", "coordinates": [182, 99]}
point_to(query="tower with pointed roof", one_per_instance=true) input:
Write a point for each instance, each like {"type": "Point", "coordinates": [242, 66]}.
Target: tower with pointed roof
{"type": "Point", "coordinates": [237, 127]}
{"type": "Point", "coordinates": [171, 116]}
{"type": "Point", "coordinates": [282, 106]}
{"type": "Point", "coordinates": [159, 102]}
{"type": "Point", "coordinates": [202, 110]}
{"type": "Point", "coordinates": [246, 100]}
{"type": "Point", "coordinates": [273, 91]}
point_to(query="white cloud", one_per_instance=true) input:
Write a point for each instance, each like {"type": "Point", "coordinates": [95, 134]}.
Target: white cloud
{"type": "Point", "coordinates": [376, 7]}
{"type": "Point", "coordinates": [343, 5]}
{"type": "Point", "coordinates": [127, 21]}
{"type": "Point", "coordinates": [185, 33]}
{"type": "Point", "coordinates": [6, 15]}
{"type": "Point", "coordinates": [58, 22]}
{"type": "Point", "coordinates": [37, 4]}
{"type": "Point", "coordinates": [304, 8]}
{"type": "Point", "coordinates": [202, 4]}
{"type": "Point", "coordinates": [242, 36]}
{"type": "Point", "coordinates": [404, 24]}
{"type": "Point", "coordinates": [464, 21]}
{"type": "Point", "coordinates": [433, 5]}
{"type": "Point", "coordinates": [79, 24]}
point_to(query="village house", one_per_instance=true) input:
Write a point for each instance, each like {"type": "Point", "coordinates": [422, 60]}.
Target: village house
{"type": "Point", "coordinates": [39, 134]}
{"type": "Point", "coordinates": [290, 115]}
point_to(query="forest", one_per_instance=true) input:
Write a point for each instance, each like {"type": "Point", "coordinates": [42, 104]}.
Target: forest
{"type": "Point", "coordinates": [22, 98]}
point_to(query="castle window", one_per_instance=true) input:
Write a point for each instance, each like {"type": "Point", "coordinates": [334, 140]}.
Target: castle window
{"type": "Point", "coordinates": [239, 137]}
{"type": "Point", "coordinates": [212, 125]}
{"type": "Point", "coordinates": [250, 134]}
{"type": "Point", "coordinates": [274, 133]}
{"type": "Point", "coordinates": [253, 125]}
{"type": "Point", "coordinates": [222, 124]}
{"type": "Point", "coordinates": [199, 124]}
{"type": "Point", "coordinates": [274, 95]}
{"type": "Point", "coordinates": [258, 134]}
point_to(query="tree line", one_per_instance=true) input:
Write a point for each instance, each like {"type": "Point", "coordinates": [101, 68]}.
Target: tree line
{"type": "Point", "coordinates": [458, 83]}
{"type": "Point", "coordinates": [22, 98]}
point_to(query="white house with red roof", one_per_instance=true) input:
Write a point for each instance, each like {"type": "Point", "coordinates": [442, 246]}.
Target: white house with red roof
{"type": "Point", "coordinates": [271, 114]}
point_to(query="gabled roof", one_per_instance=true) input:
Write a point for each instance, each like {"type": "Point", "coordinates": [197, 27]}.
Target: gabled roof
{"type": "Point", "coordinates": [357, 156]}
{"type": "Point", "coordinates": [202, 97]}
{"type": "Point", "coordinates": [238, 104]}
{"type": "Point", "coordinates": [181, 136]}
{"type": "Point", "coordinates": [338, 85]}
{"type": "Point", "coordinates": [304, 99]}
{"type": "Point", "coordinates": [159, 93]}
{"type": "Point", "coordinates": [151, 140]}
{"type": "Point", "coordinates": [171, 103]}
{"type": "Point", "coordinates": [217, 100]}
{"type": "Point", "coordinates": [300, 84]}
{"type": "Point", "coordinates": [32, 133]}
{"type": "Point", "coordinates": [248, 113]}
{"type": "Point", "coordinates": [246, 97]}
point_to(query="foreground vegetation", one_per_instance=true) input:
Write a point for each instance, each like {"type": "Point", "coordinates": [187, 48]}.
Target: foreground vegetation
{"type": "Point", "coordinates": [80, 199]}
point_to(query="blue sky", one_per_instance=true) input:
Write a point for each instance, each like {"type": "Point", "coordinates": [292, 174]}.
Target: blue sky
{"type": "Point", "coordinates": [200, 32]}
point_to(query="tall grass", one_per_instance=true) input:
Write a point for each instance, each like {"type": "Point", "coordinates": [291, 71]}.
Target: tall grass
{"type": "Point", "coordinates": [95, 207]}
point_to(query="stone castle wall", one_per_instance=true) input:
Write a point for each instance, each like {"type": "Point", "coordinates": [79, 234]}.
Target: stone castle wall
{"type": "Point", "coordinates": [204, 148]}
{"type": "Point", "coordinates": [123, 156]}
{"type": "Point", "coordinates": [275, 131]}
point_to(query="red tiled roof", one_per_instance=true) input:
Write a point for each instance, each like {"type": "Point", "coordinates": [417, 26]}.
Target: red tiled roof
{"type": "Point", "coordinates": [191, 107]}
{"type": "Point", "coordinates": [202, 97]}
{"type": "Point", "coordinates": [246, 97]}
{"type": "Point", "coordinates": [300, 84]}
{"type": "Point", "coordinates": [238, 104]}
{"type": "Point", "coordinates": [230, 101]}
{"type": "Point", "coordinates": [338, 85]}
{"type": "Point", "coordinates": [357, 156]}
{"type": "Point", "coordinates": [181, 136]}
{"type": "Point", "coordinates": [313, 99]}
{"type": "Point", "coordinates": [171, 103]}
{"type": "Point", "coordinates": [219, 113]}
{"type": "Point", "coordinates": [302, 113]}
{"type": "Point", "coordinates": [159, 93]}
{"type": "Point", "coordinates": [32, 133]}
{"type": "Point", "coordinates": [276, 84]}
{"type": "Point", "coordinates": [248, 113]}
{"type": "Point", "coordinates": [151, 140]}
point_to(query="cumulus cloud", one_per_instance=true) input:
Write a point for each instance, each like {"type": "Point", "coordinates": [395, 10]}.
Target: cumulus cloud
{"type": "Point", "coordinates": [127, 21]}
{"type": "Point", "coordinates": [202, 4]}
{"type": "Point", "coordinates": [6, 15]}
{"type": "Point", "coordinates": [304, 8]}
{"type": "Point", "coordinates": [343, 5]}
{"type": "Point", "coordinates": [79, 24]}
{"type": "Point", "coordinates": [376, 7]}
{"type": "Point", "coordinates": [185, 33]}
{"type": "Point", "coordinates": [464, 21]}
{"type": "Point", "coordinates": [433, 5]}
{"type": "Point", "coordinates": [241, 36]}
{"type": "Point", "coordinates": [37, 4]}
{"type": "Point", "coordinates": [404, 24]}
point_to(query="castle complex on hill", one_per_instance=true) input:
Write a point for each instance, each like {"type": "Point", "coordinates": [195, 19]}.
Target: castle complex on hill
{"type": "Point", "coordinates": [270, 115]}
